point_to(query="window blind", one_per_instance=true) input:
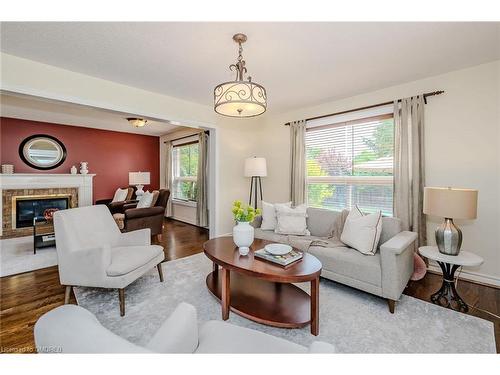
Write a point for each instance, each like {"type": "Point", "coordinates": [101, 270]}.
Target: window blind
{"type": "Point", "coordinates": [351, 162]}
{"type": "Point", "coordinates": [185, 171]}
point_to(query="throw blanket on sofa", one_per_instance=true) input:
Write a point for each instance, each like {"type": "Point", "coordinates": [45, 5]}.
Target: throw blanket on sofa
{"type": "Point", "coordinates": [303, 243]}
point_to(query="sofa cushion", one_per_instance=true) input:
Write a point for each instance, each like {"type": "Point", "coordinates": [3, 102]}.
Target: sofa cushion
{"type": "Point", "coordinates": [269, 218]}
{"type": "Point", "coordinates": [321, 222]}
{"type": "Point", "coordinates": [349, 262]}
{"type": "Point", "coordinates": [269, 235]}
{"type": "Point", "coordinates": [292, 220]}
{"type": "Point", "coordinates": [390, 227]}
{"type": "Point", "coordinates": [146, 200]}
{"type": "Point", "coordinates": [120, 195]}
{"type": "Point", "coordinates": [221, 337]}
{"type": "Point", "coordinates": [125, 259]}
{"type": "Point", "coordinates": [362, 232]}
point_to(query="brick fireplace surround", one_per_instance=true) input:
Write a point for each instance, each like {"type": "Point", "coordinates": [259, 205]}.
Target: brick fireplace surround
{"type": "Point", "coordinates": [8, 230]}
{"type": "Point", "coordinates": [78, 187]}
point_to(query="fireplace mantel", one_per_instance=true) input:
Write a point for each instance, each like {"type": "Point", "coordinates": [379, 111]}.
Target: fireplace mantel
{"type": "Point", "coordinates": [83, 182]}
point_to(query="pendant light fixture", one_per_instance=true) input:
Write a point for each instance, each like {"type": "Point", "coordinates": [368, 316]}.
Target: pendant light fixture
{"type": "Point", "coordinates": [240, 98]}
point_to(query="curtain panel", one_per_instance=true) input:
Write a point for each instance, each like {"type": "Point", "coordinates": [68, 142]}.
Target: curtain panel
{"type": "Point", "coordinates": [409, 164]}
{"type": "Point", "coordinates": [168, 175]}
{"type": "Point", "coordinates": [202, 181]}
{"type": "Point", "coordinates": [298, 162]}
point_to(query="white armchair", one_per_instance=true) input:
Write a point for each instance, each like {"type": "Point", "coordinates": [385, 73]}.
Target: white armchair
{"type": "Point", "coordinates": [72, 329]}
{"type": "Point", "coordinates": [92, 251]}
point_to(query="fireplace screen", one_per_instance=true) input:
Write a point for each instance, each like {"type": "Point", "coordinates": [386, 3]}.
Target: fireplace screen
{"type": "Point", "coordinates": [28, 209]}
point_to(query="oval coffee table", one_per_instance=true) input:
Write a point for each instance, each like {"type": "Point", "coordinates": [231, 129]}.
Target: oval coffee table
{"type": "Point", "coordinates": [262, 291]}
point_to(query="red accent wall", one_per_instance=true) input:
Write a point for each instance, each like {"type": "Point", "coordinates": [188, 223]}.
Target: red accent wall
{"type": "Point", "coordinates": [111, 155]}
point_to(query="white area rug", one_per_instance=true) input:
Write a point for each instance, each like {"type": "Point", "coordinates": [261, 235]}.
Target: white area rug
{"type": "Point", "coordinates": [16, 256]}
{"type": "Point", "coordinates": [353, 321]}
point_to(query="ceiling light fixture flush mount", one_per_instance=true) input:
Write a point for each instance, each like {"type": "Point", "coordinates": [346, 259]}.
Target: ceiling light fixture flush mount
{"type": "Point", "coordinates": [240, 98]}
{"type": "Point", "coordinates": [137, 122]}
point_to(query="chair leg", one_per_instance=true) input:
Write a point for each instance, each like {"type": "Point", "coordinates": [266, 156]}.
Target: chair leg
{"type": "Point", "coordinates": [392, 305]}
{"type": "Point", "coordinates": [160, 271]}
{"type": "Point", "coordinates": [67, 294]}
{"type": "Point", "coordinates": [121, 294]}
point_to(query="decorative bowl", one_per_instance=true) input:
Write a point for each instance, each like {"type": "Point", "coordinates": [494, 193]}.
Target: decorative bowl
{"type": "Point", "coordinates": [278, 249]}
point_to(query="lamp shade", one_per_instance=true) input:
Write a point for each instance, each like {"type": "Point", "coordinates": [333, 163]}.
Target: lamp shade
{"type": "Point", "coordinates": [450, 202]}
{"type": "Point", "coordinates": [255, 167]}
{"type": "Point", "coordinates": [138, 178]}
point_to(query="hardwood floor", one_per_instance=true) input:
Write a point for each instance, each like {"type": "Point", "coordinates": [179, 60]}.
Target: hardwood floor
{"type": "Point", "coordinates": [27, 296]}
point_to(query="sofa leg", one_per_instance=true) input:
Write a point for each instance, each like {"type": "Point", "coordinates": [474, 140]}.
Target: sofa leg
{"type": "Point", "coordinates": [121, 294]}
{"type": "Point", "coordinates": [160, 271]}
{"type": "Point", "coordinates": [67, 294]}
{"type": "Point", "coordinates": [392, 305]}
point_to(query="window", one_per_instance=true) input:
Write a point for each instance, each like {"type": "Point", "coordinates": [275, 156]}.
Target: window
{"type": "Point", "coordinates": [351, 162]}
{"type": "Point", "coordinates": [185, 171]}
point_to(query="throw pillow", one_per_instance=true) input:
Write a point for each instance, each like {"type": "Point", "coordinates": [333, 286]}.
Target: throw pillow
{"type": "Point", "coordinates": [362, 232]}
{"type": "Point", "coordinates": [292, 220]}
{"type": "Point", "coordinates": [120, 195]}
{"type": "Point", "coordinates": [146, 200]}
{"type": "Point", "coordinates": [269, 215]}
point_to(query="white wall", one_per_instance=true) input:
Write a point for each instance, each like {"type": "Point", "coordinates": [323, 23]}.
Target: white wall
{"type": "Point", "coordinates": [462, 140]}
{"type": "Point", "coordinates": [235, 139]}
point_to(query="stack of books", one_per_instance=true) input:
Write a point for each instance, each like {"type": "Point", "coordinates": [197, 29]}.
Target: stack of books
{"type": "Point", "coordinates": [282, 260]}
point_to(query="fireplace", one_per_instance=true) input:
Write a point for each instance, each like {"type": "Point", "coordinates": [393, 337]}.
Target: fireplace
{"type": "Point", "coordinates": [26, 208]}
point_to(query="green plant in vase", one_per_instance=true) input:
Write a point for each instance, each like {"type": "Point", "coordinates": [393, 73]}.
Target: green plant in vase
{"type": "Point", "coordinates": [243, 232]}
{"type": "Point", "coordinates": [244, 212]}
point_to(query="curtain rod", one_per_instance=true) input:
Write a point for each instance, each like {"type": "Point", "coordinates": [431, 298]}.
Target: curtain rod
{"type": "Point", "coordinates": [207, 132]}
{"type": "Point", "coordinates": [439, 92]}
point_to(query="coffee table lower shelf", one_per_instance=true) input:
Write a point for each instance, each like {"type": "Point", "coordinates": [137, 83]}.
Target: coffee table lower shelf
{"type": "Point", "coordinates": [275, 304]}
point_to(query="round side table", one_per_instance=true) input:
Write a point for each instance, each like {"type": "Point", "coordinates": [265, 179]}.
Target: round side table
{"type": "Point", "coordinates": [447, 295]}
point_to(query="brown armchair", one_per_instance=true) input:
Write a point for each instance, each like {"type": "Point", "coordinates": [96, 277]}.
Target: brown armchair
{"type": "Point", "coordinates": [151, 217]}
{"type": "Point", "coordinates": [117, 207]}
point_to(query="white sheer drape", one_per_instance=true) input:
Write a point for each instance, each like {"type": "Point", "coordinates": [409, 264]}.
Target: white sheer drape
{"type": "Point", "coordinates": [298, 162]}
{"type": "Point", "coordinates": [202, 183]}
{"type": "Point", "coordinates": [409, 165]}
{"type": "Point", "coordinates": [168, 175]}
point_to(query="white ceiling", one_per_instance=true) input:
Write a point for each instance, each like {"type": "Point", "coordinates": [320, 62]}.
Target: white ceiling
{"type": "Point", "coordinates": [300, 64]}
{"type": "Point", "coordinates": [36, 109]}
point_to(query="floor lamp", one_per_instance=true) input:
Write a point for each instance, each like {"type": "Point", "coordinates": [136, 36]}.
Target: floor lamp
{"type": "Point", "coordinates": [255, 168]}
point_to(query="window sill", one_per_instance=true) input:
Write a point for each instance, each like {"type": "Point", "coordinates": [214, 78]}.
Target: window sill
{"type": "Point", "coordinates": [184, 203]}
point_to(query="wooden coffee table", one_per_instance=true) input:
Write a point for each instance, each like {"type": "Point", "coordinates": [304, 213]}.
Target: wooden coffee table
{"type": "Point", "coordinates": [261, 291]}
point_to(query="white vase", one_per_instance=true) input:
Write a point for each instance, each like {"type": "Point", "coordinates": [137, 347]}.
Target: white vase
{"type": "Point", "coordinates": [73, 170]}
{"type": "Point", "coordinates": [84, 167]}
{"type": "Point", "coordinates": [243, 235]}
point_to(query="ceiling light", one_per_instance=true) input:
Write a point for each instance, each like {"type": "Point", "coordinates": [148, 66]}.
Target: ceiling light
{"type": "Point", "coordinates": [137, 122]}
{"type": "Point", "coordinates": [240, 98]}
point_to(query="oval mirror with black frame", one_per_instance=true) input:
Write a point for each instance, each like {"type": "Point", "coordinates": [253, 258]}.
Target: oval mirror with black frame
{"type": "Point", "coordinates": [42, 151]}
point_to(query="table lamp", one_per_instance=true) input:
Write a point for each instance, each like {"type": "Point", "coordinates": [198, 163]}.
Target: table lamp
{"type": "Point", "coordinates": [255, 168]}
{"type": "Point", "coordinates": [450, 203]}
{"type": "Point", "coordinates": [139, 179]}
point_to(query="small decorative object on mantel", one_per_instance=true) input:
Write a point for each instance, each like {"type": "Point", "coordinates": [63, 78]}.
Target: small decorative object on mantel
{"type": "Point", "coordinates": [73, 170]}
{"type": "Point", "coordinates": [450, 203]}
{"type": "Point", "coordinates": [84, 167]}
{"type": "Point", "coordinates": [7, 169]}
{"type": "Point", "coordinates": [243, 232]}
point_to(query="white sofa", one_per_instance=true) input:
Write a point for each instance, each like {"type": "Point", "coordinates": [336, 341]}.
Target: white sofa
{"type": "Point", "coordinates": [91, 251]}
{"type": "Point", "coordinates": [72, 329]}
{"type": "Point", "coordinates": [384, 274]}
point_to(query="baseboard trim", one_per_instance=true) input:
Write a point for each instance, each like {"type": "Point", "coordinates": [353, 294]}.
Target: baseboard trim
{"type": "Point", "coordinates": [471, 276]}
